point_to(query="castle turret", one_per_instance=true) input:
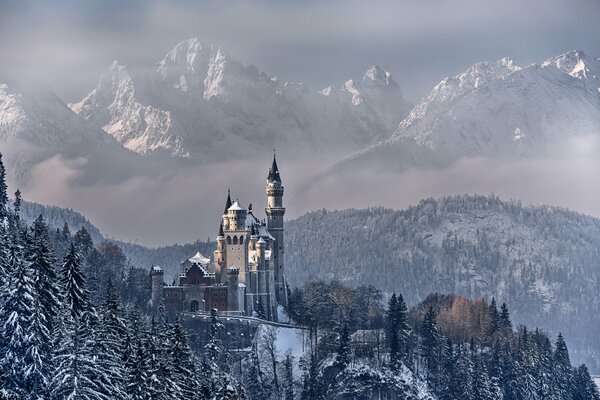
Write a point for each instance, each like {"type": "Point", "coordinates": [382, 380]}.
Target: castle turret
{"type": "Point", "coordinates": [275, 212]}
{"type": "Point", "coordinates": [220, 253]}
{"type": "Point", "coordinates": [158, 278]}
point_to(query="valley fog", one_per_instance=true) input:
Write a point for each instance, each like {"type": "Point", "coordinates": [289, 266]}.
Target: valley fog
{"type": "Point", "coordinates": [183, 204]}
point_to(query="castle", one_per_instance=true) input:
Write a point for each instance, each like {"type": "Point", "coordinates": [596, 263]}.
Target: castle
{"type": "Point", "coordinates": [246, 275]}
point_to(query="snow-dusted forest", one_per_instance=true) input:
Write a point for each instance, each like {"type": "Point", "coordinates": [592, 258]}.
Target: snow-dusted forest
{"type": "Point", "coordinates": [75, 323]}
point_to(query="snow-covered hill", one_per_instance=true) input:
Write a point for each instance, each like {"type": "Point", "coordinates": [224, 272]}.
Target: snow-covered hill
{"type": "Point", "coordinates": [197, 102]}
{"type": "Point", "coordinates": [496, 110]}
{"type": "Point", "coordinates": [543, 261]}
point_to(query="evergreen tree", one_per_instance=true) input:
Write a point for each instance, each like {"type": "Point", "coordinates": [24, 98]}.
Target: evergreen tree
{"type": "Point", "coordinates": [343, 353]}
{"type": "Point", "coordinates": [41, 259]}
{"type": "Point", "coordinates": [78, 374]}
{"type": "Point", "coordinates": [462, 376]}
{"type": "Point", "coordinates": [482, 386]}
{"type": "Point", "coordinates": [504, 324]}
{"type": "Point", "coordinates": [429, 347]}
{"type": "Point", "coordinates": [584, 387]}
{"type": "Point", "coordinates": [494, 317]}
{"type": "Point", "coordinates": [74, 291]}
{"type": "Point", "coordinates": [3, 192]}
{"type": "Point", "coordinates": [108, 335]}
{"type": "Point", "coordinates": [254, 380]}
{"type": "Point", "coordinates": [313, 387]}
{"type": "Point", "coordinates": [563, 375]}
{"type": "Point", "coordinates": [15, 319]}
{"type": "Point", "coordinates": [182, 362]}
{"type": "Point", "coordinates": [289, 376]}
{"type": "Point", "coordinates": [138, 367]}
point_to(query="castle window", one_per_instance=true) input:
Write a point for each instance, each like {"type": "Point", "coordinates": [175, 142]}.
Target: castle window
{"type": "Point", "coordinates": [228, 239]}
{"type": "Point", "coordinates": [194, 306]}
{"type": "Point", "coordinates": [235, 240]}
{"type": "Point", "coordinates": [241, 240]}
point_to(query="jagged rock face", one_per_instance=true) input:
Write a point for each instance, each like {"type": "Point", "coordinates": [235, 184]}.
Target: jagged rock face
{"type": "Point", "coordinates": [199, 103]}
{"type": "Point", "coordinates": [496, 109]}
{"type": "Point", "coordinates": [32, 113]}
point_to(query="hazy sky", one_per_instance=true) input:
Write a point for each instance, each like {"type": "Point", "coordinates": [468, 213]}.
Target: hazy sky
{"type": "Point", "coordinates": [70, 42]}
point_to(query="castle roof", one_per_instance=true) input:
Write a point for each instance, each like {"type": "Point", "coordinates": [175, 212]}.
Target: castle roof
{"type": "Point", "coordinates": [227, 202]}
{"type": "Point", "coordinates": [198, 258]}
{"type": "Point", "coordinates": [237, 206]}
{"type": "Point", "coordinates": [274, 172]}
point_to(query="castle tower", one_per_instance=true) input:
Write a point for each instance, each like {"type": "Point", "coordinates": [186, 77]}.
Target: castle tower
{"type": "Point", "coordinates": [220, 255]}
{"type": "Point", "coordinates": [275, 212]}
{"type": "Point", "coordinates": [158, 279]}
{"type": "Point", "coordinates": [236, 235]}
{"type": "Point", "coordinates": [233, 297]}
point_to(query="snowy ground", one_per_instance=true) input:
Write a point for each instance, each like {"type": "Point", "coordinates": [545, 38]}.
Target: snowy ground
{"type": "Point", "coordinates": [597, 380]}
{"type": "Point", "coordinates": [288, 339]}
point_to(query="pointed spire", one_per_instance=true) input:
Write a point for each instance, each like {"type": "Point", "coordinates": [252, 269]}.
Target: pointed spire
{"type": "Point", "coordinates": [274, 171]}
{"type": "Point", "coordinates": [227, 202]}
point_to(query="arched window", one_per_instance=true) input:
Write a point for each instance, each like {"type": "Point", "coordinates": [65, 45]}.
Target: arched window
{"type": "Point", "coordinates": [235, 240]}
{"type": "Point", "coordinates": [194, 306]}
{"type": "Point", "coordinates": [228, 239]}
{"type": "Point", "coordinates": [242, 239]}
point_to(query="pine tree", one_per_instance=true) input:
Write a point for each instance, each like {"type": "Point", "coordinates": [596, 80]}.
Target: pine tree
{"type": "Point", "coordinates": [3, 192]}
{"type": "Point", "coordinates": [482, 389]}
{"type": "Point", "coordinates": [108, 335]}
{"type": "Point", "coordinates": [74, 291]}
{"type": "Point", "coordinates": [584, 387]}
{"type": "Point", "coordinates": [254, 379]}
{"type": "Point", "coordinates": [288, 365]}
{"type": "Point", "coordinates": [160, 385]}
{"type": "Point", "coordinates": [313, 387]}
{"type": "Point", "coordinates": [182, 362]}
{"type": "Point", "coordinates": [212, 353]}
{"type": "Point", "coordinates": [393, 328]}
{"type": "Point", "coordinates": [138, 366]}
{"type": "Point", "coordinates": [462, 376]}
{"type": "Point", "coordinates": [343, 353]}
{"type": "Point", "coordinates": [504, 324]}
{"type": "Point", "coordinates": [41, 258]}
{"type": "Point", "coordinates": [15, 319]}
{"type": "Point", "coordinates": [429, 347]}
{"type": "Point", "coordinates": [563, 375]}
{"type": "Point", "coordinates": [78, 374]}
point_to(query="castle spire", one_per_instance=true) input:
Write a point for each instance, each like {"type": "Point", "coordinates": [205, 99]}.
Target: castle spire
{"type": "Point", "coordinates": [228, 201]}
{"type": "Point", "coordinates": [274, 171]}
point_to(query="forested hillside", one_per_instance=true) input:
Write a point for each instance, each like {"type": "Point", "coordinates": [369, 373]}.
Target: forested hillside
{"type": "Point", "coordinates": [542, 261]}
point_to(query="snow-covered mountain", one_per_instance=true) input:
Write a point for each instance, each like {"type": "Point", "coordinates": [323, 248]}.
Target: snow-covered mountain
{"type": "Point", "coordinates": [496, 109]}
{"type": "Point", "coordinates": [197, 102]}
{"type": "Point", "coordinates": [35, 125]}
{"type": "Point", "coordinates": [32, 113]}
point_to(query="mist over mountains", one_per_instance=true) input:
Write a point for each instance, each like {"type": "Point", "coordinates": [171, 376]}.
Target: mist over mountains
{"type": "Point", "coordinates": [198, 118]}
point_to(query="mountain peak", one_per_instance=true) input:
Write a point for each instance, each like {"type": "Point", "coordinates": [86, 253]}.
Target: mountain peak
{"type": "Point", "coordinates": [378, 76]}
{"type": "Point", "coordinates": [576, 64]}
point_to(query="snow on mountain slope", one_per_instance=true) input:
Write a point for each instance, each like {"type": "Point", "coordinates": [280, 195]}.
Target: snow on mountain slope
{"type": "Point", "coordinates": [34, 114]}
{"type": "Point", "coordinates": [36, 125]}
{"type": "Point", "coordinates": [197, 102]}
{"type": "Point", "coordinates": [496, 109]}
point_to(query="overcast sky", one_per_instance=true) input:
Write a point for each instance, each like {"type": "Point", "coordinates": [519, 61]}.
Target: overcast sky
{"type": "Point", "coordinates": [70, 42]}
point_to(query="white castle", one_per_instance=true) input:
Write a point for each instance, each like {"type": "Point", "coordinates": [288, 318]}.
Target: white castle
{"type": "Point", "coordinates": [246, 275]}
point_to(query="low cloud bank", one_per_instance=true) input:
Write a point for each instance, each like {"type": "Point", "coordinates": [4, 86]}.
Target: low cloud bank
{"type": "Point", "coordinates": [185, 204]}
